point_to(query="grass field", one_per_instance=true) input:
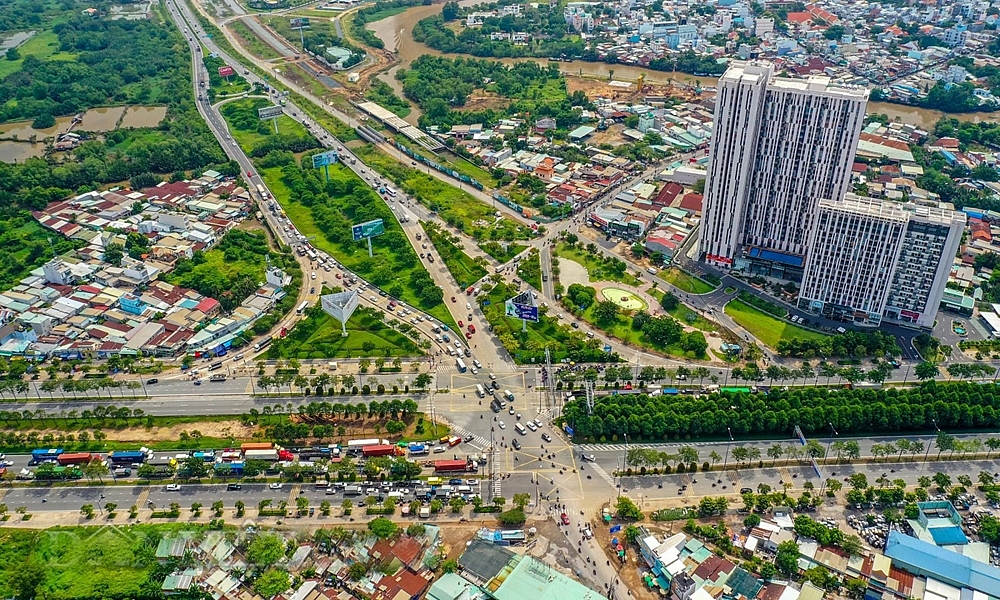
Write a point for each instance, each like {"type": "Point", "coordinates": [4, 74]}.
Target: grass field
{"type": "Point", "coordinates": [598, 266]}
{"type": "Point", "coordinates": [251, 42]}
{"type": "Point", "coordinates": [353, 255]}
{"type": "Point", "coordinates": [685, 281]}
{"type": "Point", "coordinates": [456, 207]}
{"type": "Point", "coordinates": [85, 562]}
{"type": "Point", "coordinates": [462, 267]}
{"type": "Point", "coordinates": [766, 328]}
{"type": "Point", "coordinates": [530, 269]}
{"type": "Point", "coordinates": [622, 329]}
{"type": "Point", "coordinates": [260, 131]}
{"type": "Point", "coordinates": [319, 336]}
{"type": "Point", "coordinates": [44, 46]}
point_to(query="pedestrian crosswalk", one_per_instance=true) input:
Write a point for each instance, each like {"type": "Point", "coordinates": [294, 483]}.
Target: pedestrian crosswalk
{"type": "Point", "coordinates": [603, 474]}
{"type": "Point", "coordinates": [478, 441]}
{"type": "Point", "coordinates": [621, 447]}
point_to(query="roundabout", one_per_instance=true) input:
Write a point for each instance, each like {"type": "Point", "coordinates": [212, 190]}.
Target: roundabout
{"type": "Point", "coordinates": [624, 299]}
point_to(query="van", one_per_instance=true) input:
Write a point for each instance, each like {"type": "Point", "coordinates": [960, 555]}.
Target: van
{"type": "Point", "coordinates": [464, 489]}
{"type": "Point", "coordinates": [590, 334]}
{"type": "Point", "coordinates": [238, 357]}
{"type": "Point", "coordinates": [651, 270]}
{"type": "Point", "coordinates": [520, 429]}
{"type": "Point", "coordinates": [508, 395]}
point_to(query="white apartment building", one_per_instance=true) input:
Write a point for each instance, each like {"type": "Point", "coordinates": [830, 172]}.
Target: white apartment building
{"type": "Point", "coordinates": [779, 146]}
{"type": "Point", "coordinates": [928, 251]}
{"type": "Point", "coordinates": [855, 244]}
{"type": "Point", "coordinates": [871, 260]}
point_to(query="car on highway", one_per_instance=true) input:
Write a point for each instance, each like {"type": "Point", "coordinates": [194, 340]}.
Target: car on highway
{"type": "Point", "coordinates": [546, 437]}
{"type": "Point", "coordinates": [148, 382]}
{"type": "Point", "coordinates": [564, 518]}
{"type": "Point", "coordinates": [234, 487]}
{"type": "Point", "coordinates": [173, 487]}
{"type": "Point", "coordinates": [501, 425]}
{"type": "Point", "coordinates": [275, 486]}
{"type": "Point", "coordinates": [515, 444]}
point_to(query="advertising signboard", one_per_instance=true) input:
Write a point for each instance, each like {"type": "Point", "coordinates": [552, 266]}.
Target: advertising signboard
{"type": "Point", "coordinates": [525, 312]}
{"type": "Point", "coordinates": [226, 71]}
{"type": "Point", "coordinates": [269, 112]}
{"type": "Point", "coordinates": [368, 229]}
{"type": "Point", "coordinates": [325, 158]}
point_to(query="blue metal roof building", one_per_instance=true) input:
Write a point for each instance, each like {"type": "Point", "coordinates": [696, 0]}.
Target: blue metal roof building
{"type": "Point", "coordinates": [926, 559]}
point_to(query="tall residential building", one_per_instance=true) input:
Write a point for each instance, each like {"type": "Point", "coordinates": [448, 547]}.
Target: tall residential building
{"type": "Point", "coordinates": [932, 238]}
{"type": "Point", "coordinates": [779, 146]}
{"type": "Point", "coordinates": [871, 260]}
{"type": "Point", "coordinates": [854, 247]}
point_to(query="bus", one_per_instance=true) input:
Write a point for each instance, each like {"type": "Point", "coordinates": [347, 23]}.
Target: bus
{"type": "Point", "coordinates": [391, 192]}
{"type": "Point", "coordinates": [461, 365]}
{"type": "Point", "coordinates": [214, 366]}
{"type": "Point", "coordinates": [479, 390]}
{"type": "Point", "coordinates": [302, 308]}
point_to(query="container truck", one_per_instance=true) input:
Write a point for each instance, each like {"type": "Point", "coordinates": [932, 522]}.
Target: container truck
{"type": "Point", "coordinates": [268, 455]}
{"type": "Point", "coordinates": [205, 456]}
{"type": "Point", "coordinates": [41, 454]}
{"type": "Point", "coordinates": [233, 468]}
{"type": "Point", "coordinates": [256, 446]}
{"type": "Point", "coordinates": [75, 458]}
{"type": "Point", "coordinates": [367, 442]}
{"type": "Point", "coordinates": [447, 466]}
{"type": "Point", "coordinates": [61, 472]}
{"type": "Point", "coordinates": [379, 450]}
{"type": "Point", "coordinates": [127, 457]}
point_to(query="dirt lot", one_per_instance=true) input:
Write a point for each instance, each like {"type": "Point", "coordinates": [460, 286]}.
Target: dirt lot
{"type": "Point", "coordinates": [599, 88]}
{"type": "Point", "coordinates": [217, 429]}
{"type": "Point", "coordinates": [482, 100]}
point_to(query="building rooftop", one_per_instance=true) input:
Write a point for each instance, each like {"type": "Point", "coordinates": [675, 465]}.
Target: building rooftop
{"type": "Point", "coordinates": [535, 580]}
{"type": "Point", "coordinates": [484, 560]}
{"type": "Point", "coordinates": [924, 558]}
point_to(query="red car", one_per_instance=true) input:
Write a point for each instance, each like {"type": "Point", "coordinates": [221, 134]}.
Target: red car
{"type": "Point", "coordinates": [472, 328]}
{"type": "Point", "coordinates": [453, 299]}
{"type": "Point", "coordinates": [460, 324]}
{"type": "Point", "coordinates": [468, 335]}
{"type": "Point", "coordinates": [565, 518]}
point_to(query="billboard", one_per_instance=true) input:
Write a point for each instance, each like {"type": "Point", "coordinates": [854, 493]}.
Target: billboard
{"type": "Point", "coordinates": [299, 23]}
{"type": "Point", "coordinates": [367, 229]}
{"type": "Point", "coordinates": [269, 112]}
{"type": "Point", "coordinates": [325, 158]}
{"type": "Point", "coordinates": [226, 71]}
{"type": "Point", "coordinates": [521, 311]}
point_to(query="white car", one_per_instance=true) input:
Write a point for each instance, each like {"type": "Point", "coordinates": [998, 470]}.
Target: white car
{"type": "Point", "coordinates": [173, 487]}
{"type": "Point", "coordinates": [532, 426]}
{"type": "Point", "coordinates": [276, 486]}
{"type": "Point", "coordinates": [7, 463]}
{"type": "Point", "coordinates": [468, 306]}
{"type": "Point", "coordinates": [538, 422]}
{"type": "Point", "coordinates": [474, 370]}
{"type": "Point", "coordinates": [501, 424]}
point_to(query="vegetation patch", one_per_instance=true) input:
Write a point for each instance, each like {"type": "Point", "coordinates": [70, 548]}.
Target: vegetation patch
{"type": "Point", "coordinates": [319, 336]}
{"type": "Point", "coordinates": [855, 411]}
{"type": "Point", "coordinates": [599, 267]}
{"type": "Point", "coordinates": [767, 328]}
{"type": "Point", "coordinates": [257, 46]}
{"type": "Point", "coordinates": [685, 281]}
{"type": "Point", "coordinates": [465, 269]}
{"type": "Point", "coordinates": [456, 207]}
{"type": "Point", "coordinates": [256, 137]}
{"type": "Point", "coordinates": [530, 269]}
{"type": "Point", "coordinates": [381, 93]}
{"type": "Point", "coordinates": [325, 211]}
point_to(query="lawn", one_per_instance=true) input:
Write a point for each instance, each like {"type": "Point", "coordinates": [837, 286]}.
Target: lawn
{"type": "Point", "coordinates": [599, 267]}
{"type": "Point", "coordinates": [622, 329]}
{"type": "Point", "coordinates": [85, 562]}
{"type": "Point", "coordinates": [456, 207]}
{"type": "Point", "coordinates": [319, 336]}
{"type": "Point", "coordinates": [462, 267]}
{"type": "Point", "coordinates": [685, 281]}
{"type": "Point", "coordinates": [767, 328]}
{"type": "Point", "coordinates": [399, 263]}
{"type": "Point", "coordinates": [685, 314]}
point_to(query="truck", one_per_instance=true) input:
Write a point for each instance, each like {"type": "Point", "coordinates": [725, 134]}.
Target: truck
{"type": "Point", "coordinates": [61, 472]}
{"type": "Point", "coordinates": [204, 455]}
{"type": "Point", "coordinates": [256, 446]}
{"type": "Point", "coordinates": [450, 466]}
{"type": "Point", "coordinates": [379, 450]}
{"type": "Point", "coordinates": [218, 377]}
{"type": "Point", "coordinates": [40, 454]}
{"type": "Point", "coordinates": [367, 442]}
{"type": "Point", "coordinates": [233, 468]}
{"type": "Point", "coordinates": [418, 450]}
{"type": "Point", "coordinates": [352, 490]}
{"type": "Point", "coordinates": [454, 441]}
{"type": "Point", "coordinates": [264, 343]}
{"type": "Point", "coordinates": [462, 368]}
{"type": "Point", "coordinates": [75, 458]}
{"type": "Point", "coordinates": [126, 457]}
{"type": "Point", "coordinates": [268, 455]}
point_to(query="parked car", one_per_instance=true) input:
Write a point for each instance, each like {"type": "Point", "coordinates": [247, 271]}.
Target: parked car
{"type": "Point", "coordinates": [234, 487]}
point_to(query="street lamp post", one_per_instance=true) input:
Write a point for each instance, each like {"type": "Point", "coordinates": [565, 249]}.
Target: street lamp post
{"type": "Point", "coordinates": [726, 461]}
{"type": "Point", "coordinates": [938, 429]}
{"type": "Point", "coordinates": [830, 442]}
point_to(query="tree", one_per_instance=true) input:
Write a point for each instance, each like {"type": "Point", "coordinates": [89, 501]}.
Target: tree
{"type": "Point", "coordinates": [775, 453]}
{"type": "Point", "coordinates": [357, 570]}
{"type": "Point", "coordinates": [787, 558]}
{"type": "Point", "coordinates": [751, 521]}
{"type": "Point", "coordinates": [627, 510]}
{"type": "Point", "coordinates": [669, 301]}
{"type": "Point", "coordinates": [943, 480]}
{"type": "Point", "coordinates": [512, 517]}
{"type": "Point", "coordinates": [449, 566]}
{"type": "Point", "coordinates": [606, 311]}
{"type": "Point", "coordinates": [383, 528]}
{"type": "Point", "coordinates": [521, 500]}
{"type": "Point", "coordinates": [87, 510]}
{"type": "Point", "coordinates": [271, 583]}
{"type": "Point", "coordinates": [13, 54]}
{"type": "Point", "coordinates": [265, 550]}
{"type": "Point", "coordinates": [450, 11]}
{"type": "Point", "coordinates": [927, 370]}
